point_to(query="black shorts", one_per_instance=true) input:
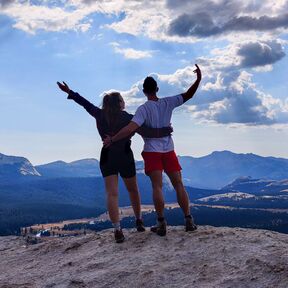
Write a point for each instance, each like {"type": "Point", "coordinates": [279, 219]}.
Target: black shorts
{"type": "Point", "coordinates": [117, 161]}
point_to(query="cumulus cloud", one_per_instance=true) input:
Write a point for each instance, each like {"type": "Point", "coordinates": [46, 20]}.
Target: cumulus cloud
{"type": "Point", "coordinates": [227, 96]}
{"type": "Point", "coordinates": [246, 54]}
{"type": "Point", "coordinates": [262, 23]}
{"type": "Point", "coordinates": [260, 53]}
{"type": "Point", "coordinates": [133, 97]}
{"type": "Point", "coordinates": [182, 21]}
{"type": "Point", "coordinates": [130, 53]}
{"type": "Point", "coordinates": [200, 25]}
{"type": "Point", "coordinates": [203, 25]}
{"type": "Point", "coordinates": [236, 101]}
{"type": "Point", "coordinates": [5, 3]}
{"type": "Point", "coordinates": [30, 17]}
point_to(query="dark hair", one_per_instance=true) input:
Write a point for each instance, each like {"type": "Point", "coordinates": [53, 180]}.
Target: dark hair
{"type": "Point", "coordinates": [111, 108]}
{"type": "Point", "coordinates": [149, 85]}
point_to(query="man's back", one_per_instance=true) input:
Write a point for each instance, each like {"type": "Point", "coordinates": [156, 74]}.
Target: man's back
{"type": "Point", "coordinates": [157, 114]}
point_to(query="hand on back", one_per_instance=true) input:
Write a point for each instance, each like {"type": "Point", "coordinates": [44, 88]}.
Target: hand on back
{"type": "Point", "coordinates": [107, 141]}
{"type": "Point", "coordinates": [64, 87]}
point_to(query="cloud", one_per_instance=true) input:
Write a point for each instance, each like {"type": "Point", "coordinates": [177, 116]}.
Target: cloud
{"type": "Point", "coordinates": [202, 24]}
{"type": "Point", "coordinates": [246, 54]}
{"type": "Point", "coordinates": [227, 95]}
{"type": "Point", "coordinates": [260, 53]}
{"type": "Point", "coordinates": [130, 53]}
{"type": "Point", "coordinates": [176, 21]}
{"type": "Point", "coordinates": [31, 18]}
{"type": "Point", "coordinates": [236, 102]}
{"type": "Point", "coordinates": [263, 23]}
{"type": "Point", "coordinates": [5, 3]}
{"type": "Point", "coordinates": [199, 25]}
{"type": "Point", "coordinates": [226, 19]}
{"type": "Point", "coordinates": [132, 97]}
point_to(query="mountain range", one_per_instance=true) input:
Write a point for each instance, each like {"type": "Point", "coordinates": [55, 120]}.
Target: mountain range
{"type": "Point", "coordinates": [13, 167]}
{"type": "Point", "coordinates": [60, 169]}
{"type": "Point", "coordinates": [208, 172]}
{"type": "Point", "coordinates": [58, 191]}
{"type": "Point", "coordinates": [220, 168]}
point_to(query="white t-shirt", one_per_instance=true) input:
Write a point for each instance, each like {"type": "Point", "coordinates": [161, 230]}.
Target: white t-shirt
{"type": "Point", "coordinates": [157, 114]}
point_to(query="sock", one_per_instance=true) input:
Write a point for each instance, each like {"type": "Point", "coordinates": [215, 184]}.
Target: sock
{"type": "Point", "coordinates": [116, 226]}
{"type": "Point", "coordinates": [188, 217]}
{"type": "Point", "coordinates": [139, 218]}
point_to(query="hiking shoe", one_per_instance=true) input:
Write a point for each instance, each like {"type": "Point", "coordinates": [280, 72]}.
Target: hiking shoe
{"type": "Point", "coordinates": [189, 224]}
{"type": "Point", "coordinates": [160, 228]}
{"type": "Point", "coordinates": [140, 225]}
{"type": "Point", "coordinates": [119, 236]}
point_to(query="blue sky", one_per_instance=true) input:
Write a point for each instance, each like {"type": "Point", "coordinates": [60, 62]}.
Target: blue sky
{"type": "Point", "coordinates": [96, 46]}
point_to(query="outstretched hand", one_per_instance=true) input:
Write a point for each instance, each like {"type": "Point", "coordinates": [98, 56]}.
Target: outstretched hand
{"type": "Point", "coordinates": [64, 87]}
{"type": "Point", "coordinates": [198, 72]}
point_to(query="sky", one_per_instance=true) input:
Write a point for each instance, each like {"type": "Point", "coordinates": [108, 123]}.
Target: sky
{"type": "Point", "coordinates": [105, 45]}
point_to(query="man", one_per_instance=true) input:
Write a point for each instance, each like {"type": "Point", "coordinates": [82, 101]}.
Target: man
{"type": "Point", "coordinates": [158, 154]}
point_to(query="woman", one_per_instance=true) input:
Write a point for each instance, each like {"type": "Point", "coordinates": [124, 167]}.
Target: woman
{"type": "Point", "coordinates": [118, 157]}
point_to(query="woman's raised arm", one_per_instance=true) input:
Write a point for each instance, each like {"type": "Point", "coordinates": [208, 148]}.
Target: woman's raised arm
{"type": "Point", "coordinates": [89, 107]}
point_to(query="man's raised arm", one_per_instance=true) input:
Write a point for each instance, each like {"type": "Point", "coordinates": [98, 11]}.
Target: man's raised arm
{"type": "Point", "coordinates": [191, 91]}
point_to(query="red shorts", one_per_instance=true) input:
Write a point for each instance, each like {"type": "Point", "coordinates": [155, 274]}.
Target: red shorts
{"type": "Point", "coordinates": [166, 161]}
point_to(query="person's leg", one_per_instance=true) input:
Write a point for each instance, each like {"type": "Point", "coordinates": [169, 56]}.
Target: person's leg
{"type": "Point", "coordinates": [183, 199]}
{"type": "Point", "coordinates": [132, 187]}
{"type": "Point", "coordinates": [182, 196]}
{"type": "Point", "coordinates": [173, 169]}
{"type": "Point", "coordinates": [154, 168]}
{"type": "Point", "coordinates": [111, 186]}
{"type": "Point", "coordinates": [156, 181]}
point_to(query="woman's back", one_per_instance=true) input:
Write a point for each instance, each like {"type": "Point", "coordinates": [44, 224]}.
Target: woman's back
{"type": "Point", "coordinates": [121, 119]}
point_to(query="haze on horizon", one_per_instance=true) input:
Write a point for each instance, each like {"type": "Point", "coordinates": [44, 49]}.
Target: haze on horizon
{"type": "Point", "coordinates": [98, 46]}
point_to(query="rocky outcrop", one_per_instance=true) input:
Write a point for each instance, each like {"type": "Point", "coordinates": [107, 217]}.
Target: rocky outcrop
{"type": "Point", "coordinates": [209, 257]}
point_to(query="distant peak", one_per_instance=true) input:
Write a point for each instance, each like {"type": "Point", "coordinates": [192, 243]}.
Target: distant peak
{"type": "Point", "coordinates": [87, 160]}
{"type": "Point", "coordinates": [58, 162]}
{"type": "Point", "coordinates": [55, 163]}
{"type": "Point", "coordinates": [222, 152]}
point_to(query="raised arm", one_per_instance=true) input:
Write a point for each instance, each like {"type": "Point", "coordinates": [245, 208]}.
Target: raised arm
{"type": "Point", "coordinates": [191, 91]}
{"type": "Point", "coordinates": [89, 107]}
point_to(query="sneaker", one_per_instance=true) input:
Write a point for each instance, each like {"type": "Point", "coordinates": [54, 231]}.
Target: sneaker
{"type": "Point", "coordinates": [160, 228]}
{"type": "Point", "coordinates": [119, 236]}
{"type": "Point", "coordinates": [189, 224]}
{"type": "Point", "coordinates": [140, 225]}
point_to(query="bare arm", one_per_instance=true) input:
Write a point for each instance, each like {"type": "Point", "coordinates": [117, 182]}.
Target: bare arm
{"type": "Point", "coordinates": [191, 91]}
{"type": "Point", "coordinates": [123, 133]}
